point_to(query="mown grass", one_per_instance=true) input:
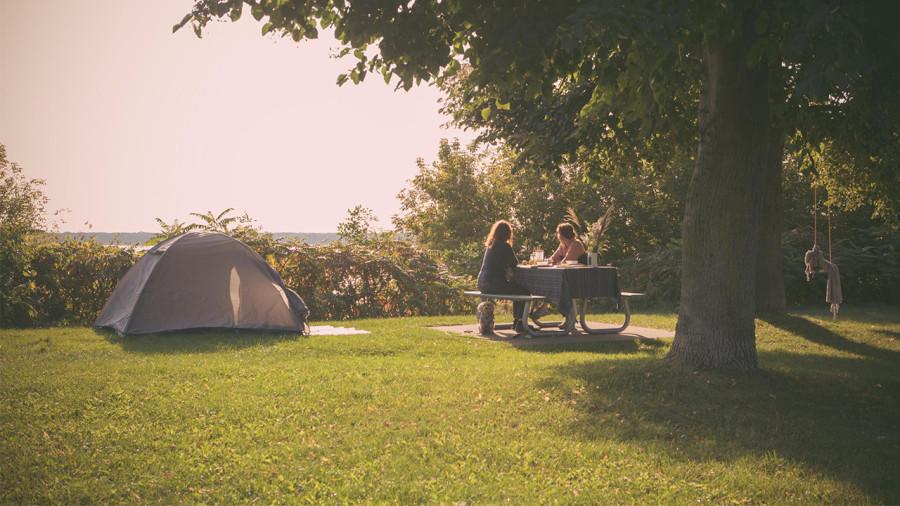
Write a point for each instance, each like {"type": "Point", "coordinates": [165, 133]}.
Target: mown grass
{"type": "Point", "coordinates": [408, 414]}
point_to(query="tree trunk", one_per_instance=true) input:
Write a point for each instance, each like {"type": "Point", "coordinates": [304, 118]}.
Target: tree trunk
{"type": "Point", "coordinates": [770, 295]}
{"type": "Point", "coordinates": [716, 327]}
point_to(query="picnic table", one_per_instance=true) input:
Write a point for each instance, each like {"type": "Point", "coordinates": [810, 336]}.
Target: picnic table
{"type": "Point", "coordinates": [565, 283]}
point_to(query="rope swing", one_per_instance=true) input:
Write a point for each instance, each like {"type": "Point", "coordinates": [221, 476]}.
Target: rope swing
{"type": "Point", "coordinates": [815, 262]}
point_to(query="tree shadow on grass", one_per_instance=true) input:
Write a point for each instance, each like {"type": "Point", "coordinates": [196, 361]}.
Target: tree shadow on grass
{"type": "Point", "coordinates": [815, 333]}
{"type": "Point", "coordinates": [844, 426]}
{"type": "Point", "coordinates": [617, 347]}
{"type": "Point", "coordinates": [197, 340]}
{"type": "Point", "coordinates": [889, 333]}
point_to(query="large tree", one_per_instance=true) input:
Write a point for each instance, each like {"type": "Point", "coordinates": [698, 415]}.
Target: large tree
{"type": "Point", "coordinates": [637, 46]}
{"type": "Point", "coordinates": [453, 202]}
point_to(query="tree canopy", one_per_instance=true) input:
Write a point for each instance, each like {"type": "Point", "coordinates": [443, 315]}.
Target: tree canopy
{"type": "Point", "coordinates": [449, 206]}
{"type": "Point", "coordinates": [22, 200]}
{"type": "Point", "coordinates": [555, 77]}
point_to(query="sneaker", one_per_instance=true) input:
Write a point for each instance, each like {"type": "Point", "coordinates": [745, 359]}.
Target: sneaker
{"type": "Point", "coordinates": [519, 328]}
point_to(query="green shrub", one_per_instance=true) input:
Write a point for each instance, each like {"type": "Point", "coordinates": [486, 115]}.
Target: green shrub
{"type": "Point", "coordinates": [58, 282]}
{"type": "Point", "coordinates": [47, 281]}
{"type": "Point", "coordinates": [73, 278]}
{"type": "Point", "coordinates": [17, 299]}
{"type": "Point", "coordinates": [658, 274]}
{"type": "Point", "coordinates": [384, 277]}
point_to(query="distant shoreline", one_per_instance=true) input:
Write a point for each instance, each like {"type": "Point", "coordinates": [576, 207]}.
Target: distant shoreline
{"type": "Point", "coordinates": [142, 237]}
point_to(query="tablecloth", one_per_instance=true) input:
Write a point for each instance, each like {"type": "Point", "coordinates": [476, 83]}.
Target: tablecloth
{"type": "Point", "coordinates": [561, 285]}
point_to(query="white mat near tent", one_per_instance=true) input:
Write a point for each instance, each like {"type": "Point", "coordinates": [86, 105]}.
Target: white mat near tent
{"type": "Point", "coordinates": [329, 330]}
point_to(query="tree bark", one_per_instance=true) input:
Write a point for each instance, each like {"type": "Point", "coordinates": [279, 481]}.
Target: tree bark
{"type": "Point", "coordinates": [770, 295]}
{"type": "Point", "coordinates": [716, 326]}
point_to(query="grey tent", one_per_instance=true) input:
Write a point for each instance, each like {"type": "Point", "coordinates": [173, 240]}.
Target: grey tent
{"type": "Point", "coordinates": [202, 280]}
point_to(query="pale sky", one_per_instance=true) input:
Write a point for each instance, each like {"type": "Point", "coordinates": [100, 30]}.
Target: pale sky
{"type": "Point", "coordinates": [128, 122]}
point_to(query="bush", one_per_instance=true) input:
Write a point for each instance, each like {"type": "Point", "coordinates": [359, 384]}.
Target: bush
{"type": "Point", "coordinates": [658, 274]}
{"type": "Point", "coordinates": [384, 277]}
{"type": "Point", "coordinates": [60, 282]}
{"type": "Point", "coordinates": [48, 281]}
{"type": "Point", "coordinates": [73, 278]}
{"type": "Point", "coordinates": [16, 288]}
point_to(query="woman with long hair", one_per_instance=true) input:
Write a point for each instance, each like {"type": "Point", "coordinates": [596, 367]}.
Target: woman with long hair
{"type": "Point", "coordinates": [496, 275]}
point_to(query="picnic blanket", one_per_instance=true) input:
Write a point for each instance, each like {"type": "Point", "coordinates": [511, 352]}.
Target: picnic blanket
{"type": "Point", "coordinates": [329, 330]}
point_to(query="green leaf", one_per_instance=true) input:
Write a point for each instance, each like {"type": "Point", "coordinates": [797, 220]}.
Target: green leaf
{"type": "Point", "coordinates": [762, 23]}
{"type": "Point", "coordinates": [754, 56]}
{"type": "Point", "coordinates": [267, 28]}
{"type": "Point", "coordinates": [236, 13]}
{"type": "Point", "coordinates": [257, 12]}
{"type": "Point", "coordinates": [183, 22]}
{"type": "Point", "coordinates": [501, 105]}
{"type": "Point", "coordinates": [486, 113]}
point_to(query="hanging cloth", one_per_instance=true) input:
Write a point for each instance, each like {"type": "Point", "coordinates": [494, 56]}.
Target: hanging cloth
{"type": "Point", "coordinates": [815, 262]}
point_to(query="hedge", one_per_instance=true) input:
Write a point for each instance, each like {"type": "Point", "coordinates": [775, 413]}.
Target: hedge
{"type": "Point", "coordinates": [47, 281]}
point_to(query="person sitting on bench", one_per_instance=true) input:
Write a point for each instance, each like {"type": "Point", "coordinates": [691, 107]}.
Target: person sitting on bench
{"type": "Point", "coordinates": [496, 275]}
{"type": "Point", "coordinates": [570, 246]}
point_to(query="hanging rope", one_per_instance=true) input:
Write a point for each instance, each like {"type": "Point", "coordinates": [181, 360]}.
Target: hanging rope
{"type": "Point", "coordinates": [815, 215]}
{"type": "Point", "coordinates": [815, 261]}
{"type": "Point", "coordinates": [829, 233]}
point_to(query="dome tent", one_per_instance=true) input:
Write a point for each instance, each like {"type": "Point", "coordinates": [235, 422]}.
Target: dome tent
{"type": "Point", "coordinates": [202, 280]}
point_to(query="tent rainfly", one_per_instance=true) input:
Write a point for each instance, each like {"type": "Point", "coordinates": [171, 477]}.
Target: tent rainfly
{"type": "Point", "coordinates": [202, 280]}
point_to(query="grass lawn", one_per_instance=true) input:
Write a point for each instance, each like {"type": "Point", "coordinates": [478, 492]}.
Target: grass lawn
{"type": "Point", "coordinates": [408, 414]}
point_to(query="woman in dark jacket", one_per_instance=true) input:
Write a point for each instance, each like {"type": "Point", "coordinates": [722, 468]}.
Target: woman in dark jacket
{"type": "Point", "coordinates": [497, 269]}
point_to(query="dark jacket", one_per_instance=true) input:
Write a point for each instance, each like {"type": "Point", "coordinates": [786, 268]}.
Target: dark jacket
{"type": "Point", "coordinates": [496, 259]}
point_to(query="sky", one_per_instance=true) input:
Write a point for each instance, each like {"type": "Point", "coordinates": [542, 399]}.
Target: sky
{"type": "Point", "coordinates": [128, 122]}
